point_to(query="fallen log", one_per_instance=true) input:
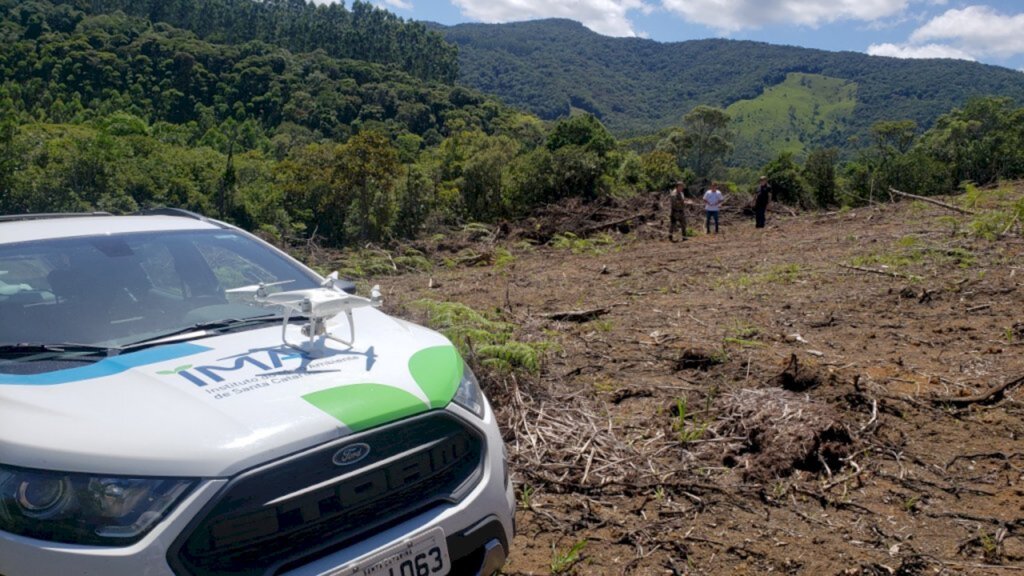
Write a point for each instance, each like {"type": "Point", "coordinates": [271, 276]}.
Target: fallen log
{"type": "Point", "coordinates": [933, 201]}
{"type": "Point", "coordinates": [606, 225]}
{"type": "Point", "coordinates": [577, 315]}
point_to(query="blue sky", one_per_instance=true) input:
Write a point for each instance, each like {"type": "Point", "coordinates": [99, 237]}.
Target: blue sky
{"type": "Point", "coordinates": [988, 31]}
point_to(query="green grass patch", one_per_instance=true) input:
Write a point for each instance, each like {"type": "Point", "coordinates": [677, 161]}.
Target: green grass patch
{"type": "Point", "coordinates": [598, 244]}
{"type": "Point", "coordinates": [779, 274]}
{"type": "Point", "coordinates": [912, 252]}
{"type": "Point", "coordinates": [563, 562]}
{"type": "Point", "coordinates": [369, 263]}
{"type": "Point", "coordinates": [789, 116]}
{"type": "Point", "coordinates": [490, 342]}
{"type": "Point", "coordinates": [503, 259]}
{"type": "Point", "coordinates": [999, 211]}
{"type": "Point", "coordinates": [686, 427]}
{"type": "Point", "coordinates": [993, 224]}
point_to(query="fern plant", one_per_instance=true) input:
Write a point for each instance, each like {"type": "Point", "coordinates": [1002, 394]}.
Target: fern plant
{"type": "Point", "coordinates": [489, 341]}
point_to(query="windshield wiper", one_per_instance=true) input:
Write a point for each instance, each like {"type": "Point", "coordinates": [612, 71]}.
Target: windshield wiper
{"type": "Point", "coordinates": [50, 349]}
{"type": "Point", "coordinates": [46, 350]}
{"type": "Point", "coordinates": [208, 329]}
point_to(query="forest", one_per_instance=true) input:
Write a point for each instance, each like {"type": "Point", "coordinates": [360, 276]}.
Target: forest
{"type": "Point", "coordinates": [282, 117]}
{"type": "Point", "coordinates": [637, 86]}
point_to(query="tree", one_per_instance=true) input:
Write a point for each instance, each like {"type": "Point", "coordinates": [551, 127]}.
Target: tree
{"type": "Point", "coordinates": [787, 183]}
{"type": "Point", "coordinates": [367, 167]}
{"type": "Point", "coordinates": [530, 180]}
{"type": "Point", "coordinates": [660, 169]}
{"type": "Point", "coordinates": [581, 152]}
{"type": "Point", "coordinates": [894, 137]}
{"type": "Point", "coordinates": [482, 184]}
{"type": "Point", "coordinates": [9, 156]}
{"type": "Point", "coordinates": [707, 138]}
{"type": "Point", "coordinates": [584, 131]}
{"type": "Point", "coordinates": [677, 145]}
{"type": "Point", "coordinates": [313, 192]}
{"type": "Point", "coordinates": [415, 202]}
{"type": "Point", "coordinates": [820, 174]}
{"type": "Point", "coordinates": [982, 142]}
{"type": "Point", "coordinates": [901, 163]}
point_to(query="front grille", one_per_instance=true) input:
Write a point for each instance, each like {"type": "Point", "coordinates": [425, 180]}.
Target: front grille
{"type": "Point", "coordinates": [304, 506]}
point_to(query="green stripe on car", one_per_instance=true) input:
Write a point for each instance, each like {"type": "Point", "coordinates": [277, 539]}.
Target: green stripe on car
{"type": "Point", "coordinates": [437, 371]}
{"type": "Point", "coordinates": [363, 406]}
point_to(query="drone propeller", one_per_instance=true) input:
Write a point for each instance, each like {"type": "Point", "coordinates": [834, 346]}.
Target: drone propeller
{"type": "Point", "coordinates": [255, 291]}
{"type": "Point", "coordinates": [330, 280]}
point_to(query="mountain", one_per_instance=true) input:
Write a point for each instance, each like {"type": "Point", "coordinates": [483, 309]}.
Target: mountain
{"type": "Point", "coordinates": [635, 86]}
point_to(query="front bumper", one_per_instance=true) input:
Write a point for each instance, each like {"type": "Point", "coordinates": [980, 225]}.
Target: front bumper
{"type": "Point", "coordinates": [478, 530]}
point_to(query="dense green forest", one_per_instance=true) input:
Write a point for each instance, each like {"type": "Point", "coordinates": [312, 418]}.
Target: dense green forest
{"type": "Point", "coordinates": [636, 86]}
{"type": "Point", "coordinates": [362, 33]}
{"type": "Point", "coordinates": [249, 111]}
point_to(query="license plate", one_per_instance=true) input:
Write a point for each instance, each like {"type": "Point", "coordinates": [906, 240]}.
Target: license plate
{"type": "Point", "coordinates": [425, 554]}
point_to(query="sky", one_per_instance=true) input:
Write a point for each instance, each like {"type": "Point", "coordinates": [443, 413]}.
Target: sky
{"type": "Point", "coordinates": [987, 31]}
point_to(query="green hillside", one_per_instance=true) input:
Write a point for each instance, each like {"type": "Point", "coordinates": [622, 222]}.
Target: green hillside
{"type": "Point", "coordinates": [253, 111]}
{"type": "Point", "coordinates": [805, 111]}
{"type": "Point", "coordinates": [638, 86]}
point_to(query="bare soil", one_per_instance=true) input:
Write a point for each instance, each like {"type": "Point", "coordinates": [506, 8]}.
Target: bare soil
{"type": "Point", "coordinates": [837, 394]}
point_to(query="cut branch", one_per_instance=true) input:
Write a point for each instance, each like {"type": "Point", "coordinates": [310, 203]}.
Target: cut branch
{"type": "Point", "coordinates": [606, 225]}
{"type": "Point", "coordinates": [933, 201]}
{"type": "Point", "coordinates": [992, 396]}
{"type": "Point", "coordinates": [889, 273]}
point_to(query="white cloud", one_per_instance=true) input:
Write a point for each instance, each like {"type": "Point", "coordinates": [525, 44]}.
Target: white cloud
{"type": "Point", "coordinates": [608, 17]}
{"type": "Point", "coordinates": [968, 34]}
{"type": "Point", "coordinates": [735, 15]}
{"type": "Point", "coordinates": [918, 51]}
{"type": "Point", "coordinates": [398, 4]}
{"type": "Point", "coordinates": [978, 30]}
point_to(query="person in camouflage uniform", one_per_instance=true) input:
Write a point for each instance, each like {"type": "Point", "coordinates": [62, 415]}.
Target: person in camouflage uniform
{"type": "Point", "coordinates": [677, 217]}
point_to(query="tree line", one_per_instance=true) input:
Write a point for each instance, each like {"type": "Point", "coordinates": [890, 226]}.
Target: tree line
{"type": "Point", "coordinates": [114, 112]}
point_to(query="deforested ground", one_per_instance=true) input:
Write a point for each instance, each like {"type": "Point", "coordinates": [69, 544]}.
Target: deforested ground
{"type": "Point", "coordinates": [840, 393]}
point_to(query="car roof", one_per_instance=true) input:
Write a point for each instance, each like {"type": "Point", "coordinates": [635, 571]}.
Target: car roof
{"type": "Point", "coordinates": [31, 227]}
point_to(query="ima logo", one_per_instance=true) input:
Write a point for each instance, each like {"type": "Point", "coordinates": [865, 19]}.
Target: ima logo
{"type": "Point", "coordinates": [261, 362]}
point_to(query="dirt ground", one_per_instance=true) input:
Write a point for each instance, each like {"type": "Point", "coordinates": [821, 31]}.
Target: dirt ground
{"type": "Point", "coordinates": [837, 394]}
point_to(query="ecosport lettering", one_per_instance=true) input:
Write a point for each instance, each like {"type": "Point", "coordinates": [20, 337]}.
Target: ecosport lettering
{"type": "Point", "coordinates": [262, 362]}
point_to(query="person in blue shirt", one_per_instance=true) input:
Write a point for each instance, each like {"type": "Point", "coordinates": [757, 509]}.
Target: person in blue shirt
{"type": "Point", "coordinates": [713, 200]}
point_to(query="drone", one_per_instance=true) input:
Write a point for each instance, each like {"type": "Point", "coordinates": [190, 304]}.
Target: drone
{"type": "Point", "coordinates": [318, 305]}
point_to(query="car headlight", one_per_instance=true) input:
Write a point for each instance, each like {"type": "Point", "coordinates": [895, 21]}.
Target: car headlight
{"type": "Point", "coordinates": [84, 509]}
{"type": "Point", "coordinates": [469, 395]}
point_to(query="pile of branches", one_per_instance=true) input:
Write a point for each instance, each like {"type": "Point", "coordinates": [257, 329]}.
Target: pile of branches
{"type": "Point", "coordinates": [781, 431]}
{"type": "Point", "coordinates": [568, 445]}
{"type": "Point", "coordinates": [583, 218]}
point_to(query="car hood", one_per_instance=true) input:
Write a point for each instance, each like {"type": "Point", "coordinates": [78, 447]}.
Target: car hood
{"type": "Point", "coordinates": [213, 406]}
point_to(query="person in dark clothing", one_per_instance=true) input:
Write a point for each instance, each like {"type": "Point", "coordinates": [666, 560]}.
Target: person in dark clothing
{"type": "Point", "coordinates": [677, 217]}
{"type": "Point", "coordinates": [761, 198]}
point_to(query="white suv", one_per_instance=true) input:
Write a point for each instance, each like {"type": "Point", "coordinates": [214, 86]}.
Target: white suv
{"type": "Point", "coordinates": [180, 397]}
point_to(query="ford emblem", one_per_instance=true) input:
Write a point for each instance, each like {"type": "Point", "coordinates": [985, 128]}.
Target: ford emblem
{"type": "Point", "coordinates": [351, 454]}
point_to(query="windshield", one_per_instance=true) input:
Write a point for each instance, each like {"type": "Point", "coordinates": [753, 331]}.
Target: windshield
{"type": "Point", "coordinates": [122, 289]}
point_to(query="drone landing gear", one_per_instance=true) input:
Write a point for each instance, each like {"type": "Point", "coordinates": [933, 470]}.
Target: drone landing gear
{"type": "Point", "coordinates": [318, 335]}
